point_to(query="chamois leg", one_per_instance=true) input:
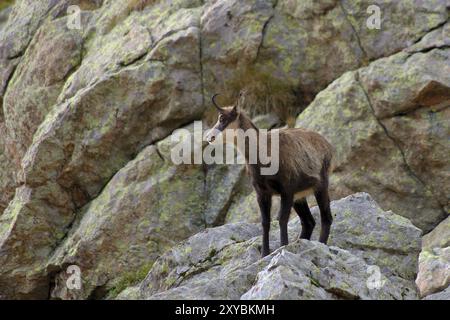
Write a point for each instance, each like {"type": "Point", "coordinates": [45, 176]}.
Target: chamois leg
{"type": "Point", "coordinates": [285, 211]}
{"type": "Point", "coordinates": [265, 203]}
{"type": "Point", "coordinates": [306, 218]}
{"type": "Point", "coordinates": [323, 200]}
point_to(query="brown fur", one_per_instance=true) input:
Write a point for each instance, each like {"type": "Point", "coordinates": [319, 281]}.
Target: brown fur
{"type": "Point", "coordinates": [304, 167]}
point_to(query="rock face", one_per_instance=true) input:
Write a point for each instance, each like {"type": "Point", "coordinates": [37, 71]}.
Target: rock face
{"type": "Point", "coordinates": [225, 263]}
{"type": "Point", "coordinates": [89, 101]}
{"type": "Point", "coordinates": [150, 201]}
{"type": "Point", "coordinates": [434, 260]}
{"type": "Point", "coordinates": [396, 111]}
{"type": "Point", "coordinates": [4, 13]}
{"type": "Point", "coordinates": [6, 171]}
{"type": "Point", "coordinates": [102, 117]}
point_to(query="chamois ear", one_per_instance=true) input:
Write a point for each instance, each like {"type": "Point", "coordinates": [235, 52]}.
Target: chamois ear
{"type": "Point", "coordinates": [241, 100]}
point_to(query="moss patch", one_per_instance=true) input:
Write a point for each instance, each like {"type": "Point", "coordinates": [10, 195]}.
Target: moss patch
{"type": "Point", "coordinates": [5, 4]}
{"type": "Point", "coordinates": [130, 279]}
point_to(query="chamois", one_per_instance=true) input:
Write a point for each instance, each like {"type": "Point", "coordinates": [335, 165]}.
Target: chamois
{"type": "Point", "coordinates": [304, 168]}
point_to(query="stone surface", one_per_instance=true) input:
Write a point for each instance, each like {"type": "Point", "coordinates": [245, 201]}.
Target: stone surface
{"type": "Point", "coordinates": [434, 270]}
{"type": "Point", "coordinates": [310, 271]}
{"type": "Point", "coordinates": [37, 82]}
{"type": "Point", "coordinates": [225, 263]}
{"type": "Point", "coordinates": [147, 207]}
{"type": "Point", "coordinates": [4, 14]}
{"type": "Point", "coordinates": [15, 35]}
{"type": "Point", "coordinates": [396, 111]}
{"type": "Point", "coordinates": [443, 295]}
{"type": "Point", "coordinates": [379, 237]}
{"type": "Point", "coordinates": [434, 260]}
{"type": "Point", "coordinates": [79, 105]}
{"type": "Point", "coordinates": [439, 237]}
{"type": "Point", "coordinates": [102, 117]}
{"type": "Point", "coordinates": [7, 177]}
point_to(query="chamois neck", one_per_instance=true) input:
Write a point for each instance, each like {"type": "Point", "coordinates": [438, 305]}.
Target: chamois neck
{"type": "Point", "coordinates": [245, 123]}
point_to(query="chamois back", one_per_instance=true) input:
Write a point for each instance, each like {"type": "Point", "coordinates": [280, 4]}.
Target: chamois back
{"type": "Point", "coordinates": [304, 152]}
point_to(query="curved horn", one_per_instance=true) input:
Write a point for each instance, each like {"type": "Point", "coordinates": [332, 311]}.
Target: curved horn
{"type": "Point", "coordinates": [214, 102]}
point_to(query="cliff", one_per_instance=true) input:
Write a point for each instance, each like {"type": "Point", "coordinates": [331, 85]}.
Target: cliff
{"type": "Point", "coordinates": [91, 95]}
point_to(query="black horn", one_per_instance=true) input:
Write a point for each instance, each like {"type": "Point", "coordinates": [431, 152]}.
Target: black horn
{"type": "Point", "coordinates": [214, 102]}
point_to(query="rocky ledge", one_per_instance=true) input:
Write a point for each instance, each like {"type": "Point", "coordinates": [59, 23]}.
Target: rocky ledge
{"type": "Point", "coordinates": [372, 254]}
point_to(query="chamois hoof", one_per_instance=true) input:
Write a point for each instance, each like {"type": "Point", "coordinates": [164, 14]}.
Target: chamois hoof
{"type": "Point", "coordinates": [304, 236]}
{"type": "Point", "coordinates": [265, 253]}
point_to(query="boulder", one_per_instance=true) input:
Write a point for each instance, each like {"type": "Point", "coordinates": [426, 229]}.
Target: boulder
{"type": "Point", "coordinates": [37, 82]}
{"type": "Point", "coordinates": [145, 209]}
{"type": "Point", "coordinates": [225, 263]}
{"type": "Point", "coordinates": [443, 295]}
{"type": "Point", "coordinates": [439, 237]}
{"type": "Point", "coordinates": [306, 270]}
{"type": "Point", "coordinates": [379, 237]}
{"type": "Point", "coordinates": [387, 122]}
{"type": "Point", "coordinates": [16, 33]}
{"type": "Point", "coordinates": [434, 260]}
{"type": "Point", "coordinates": [101, 119]}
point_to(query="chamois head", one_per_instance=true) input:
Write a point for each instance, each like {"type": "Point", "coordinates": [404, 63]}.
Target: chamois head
{"type": "Point", "coordinates": [228, 117]}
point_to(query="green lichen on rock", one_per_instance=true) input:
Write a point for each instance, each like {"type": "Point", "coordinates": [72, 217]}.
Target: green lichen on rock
{"type": "Point", "coordinates": [81, 108]}
{"type": "Point", "coordinates": [360, 114]}
{"type": "Point", "coordinates": [382, 238]}
{"type": "Point", "coordinates": [148, 206]}
{"type": "Point", "coordinates": [225, 262]}
{"type": "Point", "coordinates": [129, 279]}
{"type": "Point", "coordinates": [434, 261]}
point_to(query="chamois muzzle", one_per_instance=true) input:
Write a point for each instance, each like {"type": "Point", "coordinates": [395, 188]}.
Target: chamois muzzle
{"type": "Point", "coordinates": [211, 135]}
